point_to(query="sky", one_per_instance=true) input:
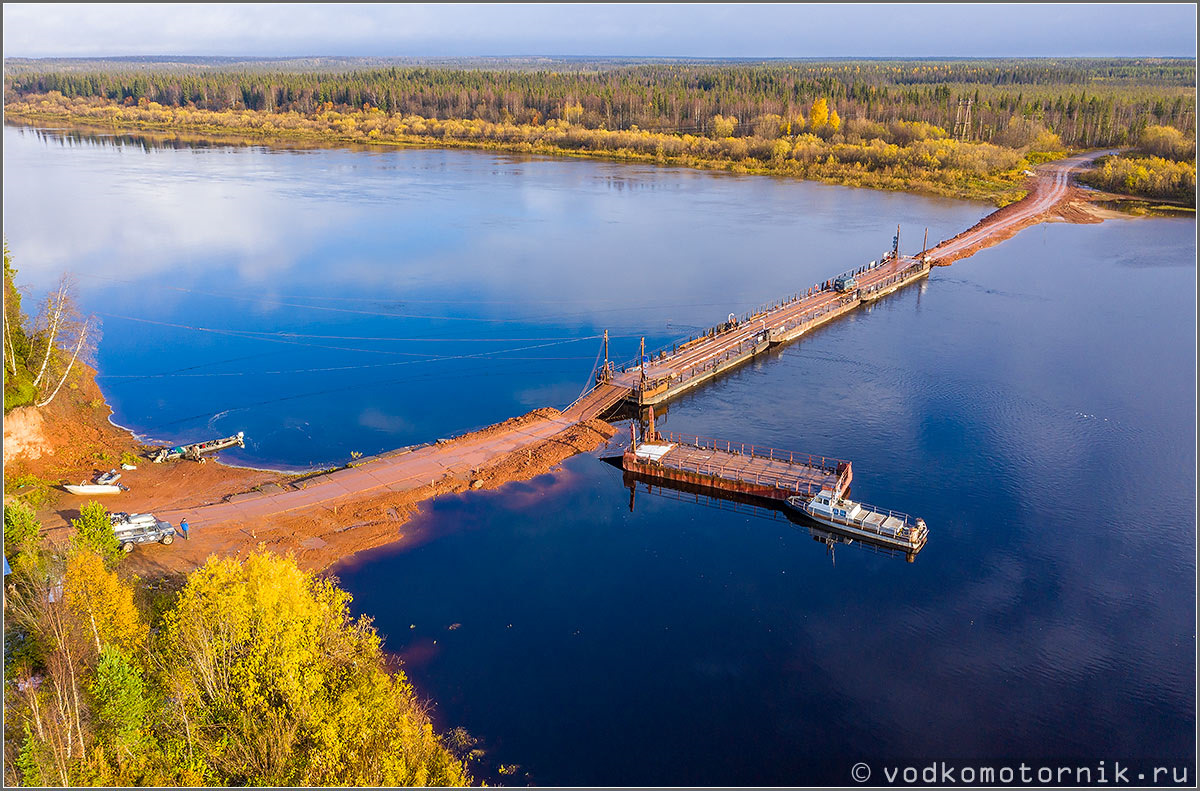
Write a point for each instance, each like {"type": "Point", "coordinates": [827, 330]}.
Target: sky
{"type": "Point", "coordinates": [667, 30]}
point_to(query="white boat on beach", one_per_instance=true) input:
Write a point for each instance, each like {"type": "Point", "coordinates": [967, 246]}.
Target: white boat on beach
{"type": "Point", "coordinates": [105, 484]}
{"type": "Point", "coordinates": [95, 488]}
{"type": "Point", "coordinates": [891, 528]}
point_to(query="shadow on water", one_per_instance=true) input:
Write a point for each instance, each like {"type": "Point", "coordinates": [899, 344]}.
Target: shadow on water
{"type": "Point", "coordinates": [738, 503]}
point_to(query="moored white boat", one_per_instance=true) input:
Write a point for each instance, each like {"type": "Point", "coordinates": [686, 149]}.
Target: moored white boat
{"type": "Point", "coordinates": [890, 528]}
{"type": "Point", "coordinates": [94, 488]}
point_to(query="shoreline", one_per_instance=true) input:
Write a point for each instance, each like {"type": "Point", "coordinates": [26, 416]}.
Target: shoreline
{"type": "Point", "coordinates": [319, 535]}
{"type": "Point", "coordinates": [324, 529]}
{"type": "Point", "coordinates": [996, 189]}
{"type": "Point", "coordinates": [144, 440]}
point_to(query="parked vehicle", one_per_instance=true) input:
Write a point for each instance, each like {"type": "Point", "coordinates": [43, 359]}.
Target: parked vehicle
{"type": "Point", "coordinates": [132, 529]}
{"type": "Point", "coordinates": [845, 283]}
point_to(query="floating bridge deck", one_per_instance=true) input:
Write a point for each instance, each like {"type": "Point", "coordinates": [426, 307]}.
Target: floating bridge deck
{"type": "Point", "coordinates": [667, 373]}
{"type": "Point", "coordinates": [736, 467]}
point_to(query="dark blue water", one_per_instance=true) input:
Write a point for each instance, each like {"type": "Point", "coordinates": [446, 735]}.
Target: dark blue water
{"type": "Point", "coordinates": [332, 301]}
{"type": "Point", "coordinates": [1035, 404]}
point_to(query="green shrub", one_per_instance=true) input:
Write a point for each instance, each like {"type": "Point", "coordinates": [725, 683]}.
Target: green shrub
{"type": "Point", "coordinates": [32, 490]}
{"type": "Point", "coordinates": [94, 531]}
{"type": "Point", "coordinates": [22, 531]}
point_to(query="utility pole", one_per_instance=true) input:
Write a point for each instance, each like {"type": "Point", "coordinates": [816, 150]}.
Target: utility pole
{"type": "Point", "coordinates": [924, 246]}
{"type": "Point", "coordinates": [605, 374]}
{"type": "Point", "coordinates": [962, 120]}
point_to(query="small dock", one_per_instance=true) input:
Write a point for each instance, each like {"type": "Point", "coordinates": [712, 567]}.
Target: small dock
{"type": "Point", "coordinates": [729, 466]}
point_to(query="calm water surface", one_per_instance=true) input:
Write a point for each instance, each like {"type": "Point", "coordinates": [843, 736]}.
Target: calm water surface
{"type": "Point", "coordinates": [1035, 404]}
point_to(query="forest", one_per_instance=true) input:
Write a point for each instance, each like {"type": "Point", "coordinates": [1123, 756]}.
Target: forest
{"type": "Point", "coordinates": [1161, 166]}
{"type": "Point", "coordinates": [958, 128]}
{"type": "Point", "coordinates": [249, 672]}
{"type": "Point", "coordinates": [1087, 102]}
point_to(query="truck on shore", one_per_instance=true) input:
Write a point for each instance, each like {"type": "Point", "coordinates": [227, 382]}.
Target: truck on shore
{"type": "Point", "coordinates": [133, 529]}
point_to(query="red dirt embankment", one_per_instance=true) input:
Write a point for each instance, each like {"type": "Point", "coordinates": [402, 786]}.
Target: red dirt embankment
{"type": "Point", "coordinates": [322, 519]}
{"type": "Point", "coordinates": [71, 440]}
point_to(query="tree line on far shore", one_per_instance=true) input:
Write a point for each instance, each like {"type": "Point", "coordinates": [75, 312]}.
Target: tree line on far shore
{"type": "Point", "coordinates": [1087, 102]}
{"type": "Point", "coordinates": [1163, 166]}
{"type": "Point", "coordinates": [899, 155]}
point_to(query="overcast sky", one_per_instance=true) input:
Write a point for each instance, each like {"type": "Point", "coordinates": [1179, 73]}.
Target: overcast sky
{"type": "Point", "coordinates": [769, 30]}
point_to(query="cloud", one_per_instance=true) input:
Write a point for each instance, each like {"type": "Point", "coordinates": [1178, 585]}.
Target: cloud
{"type": "Point", "coordinates": [719, 30]}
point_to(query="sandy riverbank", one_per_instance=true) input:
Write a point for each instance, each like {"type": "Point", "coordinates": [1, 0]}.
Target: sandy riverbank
{"type": "Point", "coordinates": [73, 439]}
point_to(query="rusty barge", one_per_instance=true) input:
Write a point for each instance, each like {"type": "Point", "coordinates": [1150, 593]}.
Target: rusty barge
{"type": "Point", "coordinates": [795, 480]}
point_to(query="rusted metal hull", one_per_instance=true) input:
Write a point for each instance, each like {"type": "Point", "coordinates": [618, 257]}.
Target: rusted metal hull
{"type": "Point", "coordinates": [651, 471]}
{"type": "Point", "coordinates": [669, 390]}
{"type": "Point", "coordinates": [738, 468]}
{"type": "Point", "coordinates": [899, 284]}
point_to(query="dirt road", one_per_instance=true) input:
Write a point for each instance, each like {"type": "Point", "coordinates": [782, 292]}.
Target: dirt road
{"type": "Point", "coordinates": [1050, 187]}
{"type": "Point", "coordinates": [396, 473]}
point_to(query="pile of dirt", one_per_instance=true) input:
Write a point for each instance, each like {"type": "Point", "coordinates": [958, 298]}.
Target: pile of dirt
{"type": "Point", "coordinates": [69, 436]}
{"type": "Point", "coordinates": [1080, 207]}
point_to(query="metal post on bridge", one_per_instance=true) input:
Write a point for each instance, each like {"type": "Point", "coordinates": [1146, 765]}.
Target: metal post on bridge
{"type": "Point", "coordinates": [642, 368]}
{"type": "Point", "coordinates": [606, 355]}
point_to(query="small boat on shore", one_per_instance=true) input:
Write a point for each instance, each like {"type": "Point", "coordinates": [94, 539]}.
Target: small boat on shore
{"type": "Point", "coordinates": [195, 450]}
{"type": "Point", "coordinates": [105, 484]}
{"type": "Point", "coordinates": [890, 528]}
{"type": "Point", "coordinates": [94, 488]}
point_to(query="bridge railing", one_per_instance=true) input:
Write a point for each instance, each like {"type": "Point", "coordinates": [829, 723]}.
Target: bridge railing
{"type": "Point", "coordinates": [757, 314]}
{"type": "Point", "coordinates": [760, 314]}
{"type": "Point", "coordinates": [810, 316]}
{"type": "Point", "coordinates": [678, 377]}
{"type": "Point", "coordinates": [824, 463]}
{"type": "Point", "coordinates": [896, 278]}
{"type": "Point", "coordinates": [791, 483]}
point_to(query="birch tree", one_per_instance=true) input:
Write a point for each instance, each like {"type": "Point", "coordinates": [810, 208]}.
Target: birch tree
{"type": "Point", "coordinates": [81, 342]}
{"type": "Point", "coordinates": [57, 304]}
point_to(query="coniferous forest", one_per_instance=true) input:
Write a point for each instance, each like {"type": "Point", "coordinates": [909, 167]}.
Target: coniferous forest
{"type": "Point", "coordinates": [961, 128]}
{"type": "Point", "coordinates": [1088, 103]}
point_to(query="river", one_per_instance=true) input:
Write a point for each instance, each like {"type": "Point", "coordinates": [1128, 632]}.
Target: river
{"type": "Point", "coordinates": [1034, 403]}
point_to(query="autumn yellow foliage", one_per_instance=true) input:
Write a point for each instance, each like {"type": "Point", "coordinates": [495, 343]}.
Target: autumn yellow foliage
{"type": "Point", "coordinates": [103, 602]}
{"type": "Point", "coordinates": [910, 155]}
{"type": "Point", "coordinates": [255, 673]}
{"type": "Point", "coordinates": [1151, 177]}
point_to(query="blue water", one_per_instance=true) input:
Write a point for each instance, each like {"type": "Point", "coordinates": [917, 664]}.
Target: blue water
{"type": "Point", "coordinates": [1034, 403]}
{"type": "Point", "coordinates": [333, 301]}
